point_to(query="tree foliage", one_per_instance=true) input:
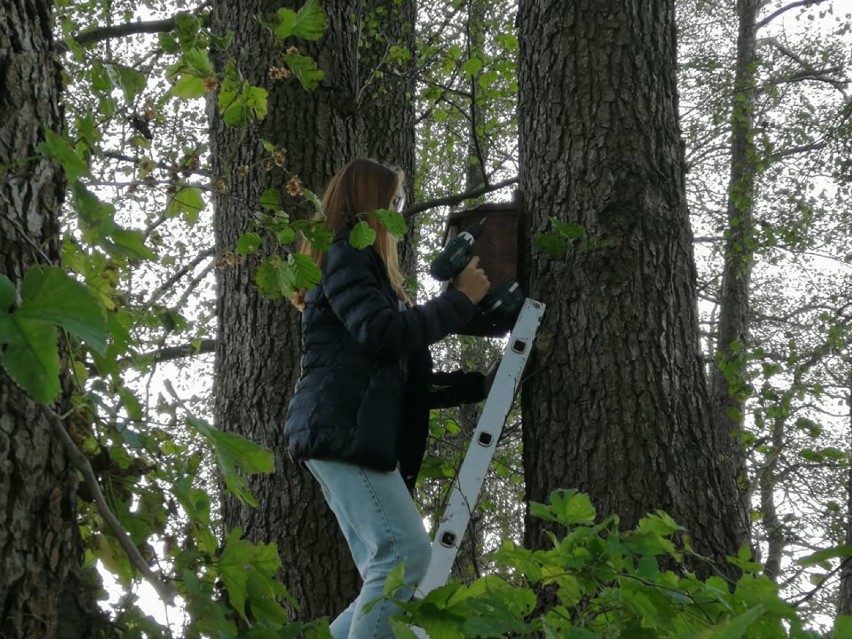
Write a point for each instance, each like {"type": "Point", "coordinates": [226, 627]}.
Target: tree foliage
{"type": "Point", "coordinates": [133, 299]}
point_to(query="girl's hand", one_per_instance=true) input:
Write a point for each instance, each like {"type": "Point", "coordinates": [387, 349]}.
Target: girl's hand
{"type": "Point", "coordinates": [472, 281]}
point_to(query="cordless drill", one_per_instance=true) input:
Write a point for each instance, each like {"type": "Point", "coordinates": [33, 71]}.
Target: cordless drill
{"type": "Point", "coordinates": [505, 300]}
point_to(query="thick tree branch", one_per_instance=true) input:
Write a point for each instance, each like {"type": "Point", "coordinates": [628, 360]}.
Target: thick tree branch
{"type": "Point", "coordinates": [170, 353]}
{"type": "Point", "coordinates": [785, 9]}
{"type": "Point", "coordinates": [164, 590]}
{"type": "Point", "coordinates": [99, 34]}
{"type": "Point", "coordinates": [455, 199]}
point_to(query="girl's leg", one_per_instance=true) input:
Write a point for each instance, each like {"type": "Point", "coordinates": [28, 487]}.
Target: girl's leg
{"type": "Point", "coordinates": [383, 528]}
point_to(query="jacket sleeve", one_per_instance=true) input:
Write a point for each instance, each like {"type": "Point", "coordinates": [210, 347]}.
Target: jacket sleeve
{"type": "Point", "coordinates": [452, 389]}
{"type": "Point", "coordinates": [353, 285]}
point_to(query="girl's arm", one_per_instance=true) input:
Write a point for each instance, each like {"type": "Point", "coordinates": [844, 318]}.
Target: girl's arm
{"type": "Point", "coordinates": [353, 283]}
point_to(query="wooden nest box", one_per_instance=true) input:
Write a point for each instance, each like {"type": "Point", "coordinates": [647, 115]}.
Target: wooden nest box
{"type": "Point", "coordinates": [500, 249]}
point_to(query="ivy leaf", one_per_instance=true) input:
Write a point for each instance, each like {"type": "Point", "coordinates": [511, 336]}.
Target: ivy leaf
{"type": "Point", "coordinates": [362, 235]}
{"type": "Point", "coordinates": [130, 243]}
{"type": "Point", "coordinates": [392, 221]}
{"type": "Point", "coordinates": [59, 149]}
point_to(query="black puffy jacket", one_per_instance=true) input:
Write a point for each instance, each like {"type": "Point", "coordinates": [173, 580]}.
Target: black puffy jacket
{"type": "Point", "coordinates": [367, 383]}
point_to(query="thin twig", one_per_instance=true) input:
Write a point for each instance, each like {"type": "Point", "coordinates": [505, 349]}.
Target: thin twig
{"type": "Point", "coordinates": [165, 590]}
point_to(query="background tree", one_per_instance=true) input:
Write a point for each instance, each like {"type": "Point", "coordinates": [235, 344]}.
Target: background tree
{"type": "Point", "coordinates": [601, 158]}
{"type": "Point", "coordinates": [257, 359]}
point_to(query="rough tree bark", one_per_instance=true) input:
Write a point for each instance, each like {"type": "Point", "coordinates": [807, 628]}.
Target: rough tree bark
{"type": "Point", "coordinates": [617, 403]}
{"type": "Point", "coordinates": [257, 359]}
{"type": "Point", "coordinates": [42, 589]}
{"type": "Point", "coordinates": [728, 388]}
{"type": "Point", "coordinates": [385, 97]}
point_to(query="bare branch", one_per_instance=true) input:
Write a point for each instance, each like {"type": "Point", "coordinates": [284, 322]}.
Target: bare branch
{"type": "Point", "coordinates": [455, 199]}
{"type": "Point", "coordinates": [166, 591]}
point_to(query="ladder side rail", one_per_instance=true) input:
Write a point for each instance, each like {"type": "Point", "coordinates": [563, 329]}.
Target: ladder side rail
{"type": "Point", "coordinates": [467, 484]}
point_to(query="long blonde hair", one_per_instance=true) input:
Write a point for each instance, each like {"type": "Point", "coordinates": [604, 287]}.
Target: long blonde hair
{"type": "Point", "coordinates": [359, 188]}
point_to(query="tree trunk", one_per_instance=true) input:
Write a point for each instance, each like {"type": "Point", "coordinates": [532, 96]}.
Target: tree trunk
{"type": "Point", "coordinates": [257, 359]}
{"type": "Point", "coordinates": [844, 603]}
{"type": "Point", "coordinates": [729, 387]}
{"type": "Point", "coordinates": [386, 97]}
{"type": "Point", "coordinates": [42, 590]}
{"type": "Point", "coordinates": [618, 405]}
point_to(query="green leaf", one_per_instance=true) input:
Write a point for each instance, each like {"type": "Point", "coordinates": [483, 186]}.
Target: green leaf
{"type": "Point", "coordinates": [240, 104]}
{"type": "Point", "coordinates": [395, 579]}
{"type": "Point", "coordinates": [249, 243]}
{"type": "Point", "coordinates": [362, 235]}
{"type": "Point", "coordinates": [393, 222]}
{"type": "Point", "coordinates": [249, 569]}
{"type": "Point", "coordinates": [826, 554]}
{"type": "Point", "coordinates": [130, 80]}
{"type": "Point", "coordinates": [7, 293]}
{"type": "Point", "coordinates": [306, 273]}
{"type": "Point", "coordinates": [50, 295]}
{"type": "Point", "coordinates": [31, 357]}
{"type": "Point", "coordinates": [571, 507]}
{"type": "Point", "coordinates": [235, 453]}
{"type": "Point", "coordinates": [659, 524]}
{"type": "Point", "coordinates": [472, 66]}
{"type": "Point", "coordinates": [305, 69]}
{"type": "Point", "coordinates": [737, 627]}
{"type": "Point", "coordinates": [59, 149]}
{"type": "Point", "coordinates": [843, 626]}
{"type": "Point", "coordinates": [551, 243]}
{"type": "Point", "coordinates": [189, 86]}
{"type": "Point", "coordinates": [130, 243]}
{"type": "Point", "coordinates": [310, 21]}
{"type": "Point", "coordinates": [271, 199]}
{"type": "Point", "coordinates": [566, 229]}
{"type": "Point", "coordinates": [199, 60]}
{"type": "Point", "coordinates": [187, 201]}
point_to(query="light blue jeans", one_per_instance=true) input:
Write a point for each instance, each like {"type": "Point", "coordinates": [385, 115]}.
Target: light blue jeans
{"type": "Point", "coordinates": [383, 527]}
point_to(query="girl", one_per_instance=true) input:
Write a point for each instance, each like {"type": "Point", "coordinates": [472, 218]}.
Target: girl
{"type": "Point", "coordinates": [359, 414]}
